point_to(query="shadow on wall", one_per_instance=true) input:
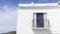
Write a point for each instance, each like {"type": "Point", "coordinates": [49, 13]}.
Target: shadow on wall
{"type": "Point", "coordinates": [42, 31]}
{"type": "Point", "coordinates": [11, 32]}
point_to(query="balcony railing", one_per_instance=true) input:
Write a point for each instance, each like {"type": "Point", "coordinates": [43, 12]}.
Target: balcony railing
{"type": "Point", "coordinates": [46, 23]}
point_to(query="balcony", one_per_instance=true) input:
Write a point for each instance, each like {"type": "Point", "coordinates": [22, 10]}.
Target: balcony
{"type": "Point", "coordinates": [45, 23]}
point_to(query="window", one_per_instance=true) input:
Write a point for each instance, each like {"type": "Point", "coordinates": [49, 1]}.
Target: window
{"type": "Point", "coordinates": [40, 20]}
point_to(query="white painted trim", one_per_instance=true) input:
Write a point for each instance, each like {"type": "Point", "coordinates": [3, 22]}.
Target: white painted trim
{"type": "Point", "coordinates": [34, 18]}
{"type": "Point", "coordinates": [42, 6]}
{"type": "Point", "coordinates": [48, 4]}
{"type": "Point", "coordinates": [45, 20]}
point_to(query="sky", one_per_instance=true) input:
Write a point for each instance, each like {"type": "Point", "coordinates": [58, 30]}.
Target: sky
{"type": "Point", "coordinates": [8, 13]}
{"type": "Point", "coordinates": [38, 1]}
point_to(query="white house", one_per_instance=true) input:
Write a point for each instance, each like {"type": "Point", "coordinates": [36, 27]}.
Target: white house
{"type": "Point", "coordinates": [38, 18]}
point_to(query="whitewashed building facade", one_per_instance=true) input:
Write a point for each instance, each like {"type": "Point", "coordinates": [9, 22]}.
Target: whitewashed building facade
{"type": "Point", "coordinates": [38, 18]}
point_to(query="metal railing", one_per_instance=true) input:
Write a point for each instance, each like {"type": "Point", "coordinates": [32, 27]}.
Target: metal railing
{"type": "Point", "coordinates": [45, 21]}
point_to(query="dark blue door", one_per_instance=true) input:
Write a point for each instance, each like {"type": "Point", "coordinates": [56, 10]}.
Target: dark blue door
{"type": "Point", "coordinates": [40, 20]}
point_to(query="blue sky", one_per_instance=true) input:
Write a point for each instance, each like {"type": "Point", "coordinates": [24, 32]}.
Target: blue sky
{"type": "Point", "coordinates": [8, 15]}
{"type": "Point", "coordinates": [8, 12]}
{"type": "Point", "coordinates": [38, 1]}
{"type": "Point", "coordinates": [10, 3]}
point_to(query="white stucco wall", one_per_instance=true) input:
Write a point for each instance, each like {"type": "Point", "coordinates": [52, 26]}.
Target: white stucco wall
{"type": "Point", "coordinates": [25, 16]}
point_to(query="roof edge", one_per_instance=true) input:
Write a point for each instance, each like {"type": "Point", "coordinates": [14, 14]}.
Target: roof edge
{"type": "Point", "coordinates": [39, 4]}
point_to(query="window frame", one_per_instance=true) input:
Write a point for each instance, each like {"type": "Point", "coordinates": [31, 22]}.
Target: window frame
{"type": "Point", "coordinates": [45, 18]}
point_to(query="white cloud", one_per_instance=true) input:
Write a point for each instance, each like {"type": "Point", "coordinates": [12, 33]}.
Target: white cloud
{"type": "Point", "coordinates": [6, 9]}
{"type": "Point", "coordinates": [6, 6]}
